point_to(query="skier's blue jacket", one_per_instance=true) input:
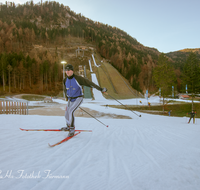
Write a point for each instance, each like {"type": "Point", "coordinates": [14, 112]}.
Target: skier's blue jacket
{"type": "Point", "coordinates": [73, 86]}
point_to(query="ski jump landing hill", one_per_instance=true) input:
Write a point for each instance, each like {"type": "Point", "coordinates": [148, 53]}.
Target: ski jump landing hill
{"type": "Point", "coordinates": [111, 75]}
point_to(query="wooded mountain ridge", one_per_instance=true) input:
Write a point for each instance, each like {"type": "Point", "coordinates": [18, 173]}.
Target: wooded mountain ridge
{"type": "Point", "coordinates": [35, 38]}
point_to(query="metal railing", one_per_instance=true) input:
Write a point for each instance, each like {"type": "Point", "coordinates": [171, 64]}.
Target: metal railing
{"type": "Point", "coordinates": [12, 106]}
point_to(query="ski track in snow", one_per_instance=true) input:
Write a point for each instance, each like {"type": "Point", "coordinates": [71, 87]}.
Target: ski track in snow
{"type": "Point", "coordinates": [151, 152]}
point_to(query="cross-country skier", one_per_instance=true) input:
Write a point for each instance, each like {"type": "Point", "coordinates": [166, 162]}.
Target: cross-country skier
{"type": "Point", "coordinates": [73, 91]}
{"type": "Point", "coordinates": [192, 115]}
{"type": "Point", "coordinates": [169, 112]}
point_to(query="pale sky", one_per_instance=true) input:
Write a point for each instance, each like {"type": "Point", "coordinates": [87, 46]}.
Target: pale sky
{"type": "Point", "coordinates": [167, 25]}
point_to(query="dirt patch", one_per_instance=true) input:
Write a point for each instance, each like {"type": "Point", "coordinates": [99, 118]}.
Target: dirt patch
{"type": "Point", "coordinates": [59, 110]}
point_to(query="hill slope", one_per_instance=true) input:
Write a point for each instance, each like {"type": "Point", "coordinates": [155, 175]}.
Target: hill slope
{"type": "Point", "coordinates": [51, 31]}
{"type": "Point", "coordinates": [117, 85]}
{"type": "Point", "coordinates": [35, 38]}
{"type": "Point", "coordinates": [129, 154]}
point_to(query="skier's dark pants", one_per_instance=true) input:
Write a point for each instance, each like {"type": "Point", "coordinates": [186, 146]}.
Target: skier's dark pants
{"type": "Point", "coordinates": [190, 119]}
{"type": "Point", "coordinates": [70, 109]}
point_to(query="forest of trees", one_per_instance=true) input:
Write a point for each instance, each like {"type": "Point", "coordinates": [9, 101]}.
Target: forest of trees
{"type": "Point", "coordinates": [25, 74]}
{"type": "Point", "coordinates": [26, 68]}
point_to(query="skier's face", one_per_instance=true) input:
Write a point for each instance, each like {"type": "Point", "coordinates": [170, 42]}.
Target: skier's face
{"type": "Point", "coordinates": [69, 73]}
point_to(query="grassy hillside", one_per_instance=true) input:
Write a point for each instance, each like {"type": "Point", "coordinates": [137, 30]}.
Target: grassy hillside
{"type": "Point", "coordinates": [109, 77]}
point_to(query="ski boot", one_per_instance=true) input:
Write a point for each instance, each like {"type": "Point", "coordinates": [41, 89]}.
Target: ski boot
{"type": "Point", "coordinates": [71, 131]}
{"type": "Point", "coordinates": [65, 128]}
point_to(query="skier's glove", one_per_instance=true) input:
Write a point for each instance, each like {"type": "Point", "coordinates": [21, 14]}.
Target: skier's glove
{"type": "Point", "coordinates": [104, 90]}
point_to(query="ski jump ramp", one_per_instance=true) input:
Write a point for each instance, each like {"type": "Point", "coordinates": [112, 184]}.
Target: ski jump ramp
{"type": "Point", "coordinates": [94, 61]}
{"type": "Point", "coordinates": [97, 94]}
{"type": "Point", "coordinates": [90, 66]}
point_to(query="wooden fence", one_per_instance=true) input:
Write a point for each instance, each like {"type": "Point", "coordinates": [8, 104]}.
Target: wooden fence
{"type": "Point", "coordinates": [13, 107]}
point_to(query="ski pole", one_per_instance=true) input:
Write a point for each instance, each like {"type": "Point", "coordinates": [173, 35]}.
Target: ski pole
{"type": "Point", "coordinates": [123, 105]}
{"type": "Point", "coordinates": [93, 117]}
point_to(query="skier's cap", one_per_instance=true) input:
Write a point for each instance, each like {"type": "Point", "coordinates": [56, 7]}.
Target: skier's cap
{"type": "Point", "coordinates": [69, 67]}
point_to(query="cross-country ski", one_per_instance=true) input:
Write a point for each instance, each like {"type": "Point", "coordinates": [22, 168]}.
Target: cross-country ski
{"type": "Point", "coordinates": [64, 140]}
{"type": "Point", "coordinates": [53, 130]}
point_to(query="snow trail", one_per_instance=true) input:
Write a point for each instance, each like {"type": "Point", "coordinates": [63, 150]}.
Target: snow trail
{"type": "Point", "coordinates": [151, 152]}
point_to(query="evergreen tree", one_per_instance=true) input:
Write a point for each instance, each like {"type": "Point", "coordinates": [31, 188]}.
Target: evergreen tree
{"type": "Point", "coordinates": [191, 73]}
{"type": "Point", "coordinates": [164, 76]}
{"type": "Point", "coordinates": [3, 67]}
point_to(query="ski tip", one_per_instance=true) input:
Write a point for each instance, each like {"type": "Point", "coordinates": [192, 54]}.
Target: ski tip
{"type": "Point", "coordinates": [50, 145]}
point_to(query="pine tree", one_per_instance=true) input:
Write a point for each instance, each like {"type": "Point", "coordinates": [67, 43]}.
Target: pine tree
{"type": "Point", "coordinates": [3, 66]}
{"type": "Point", "coordinates": [164, 76]}
{"type": "Point", "coordinates": [191, 73]}
{"type": "Point", "coordinates": [9, 68]}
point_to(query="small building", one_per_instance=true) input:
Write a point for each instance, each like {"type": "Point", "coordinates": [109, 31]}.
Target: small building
{"type": "Point", "coordinates": [184, 97]}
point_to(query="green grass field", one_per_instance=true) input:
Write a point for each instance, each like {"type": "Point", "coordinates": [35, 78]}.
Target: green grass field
{"type": "Point", "coordinates": [178, 110]}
